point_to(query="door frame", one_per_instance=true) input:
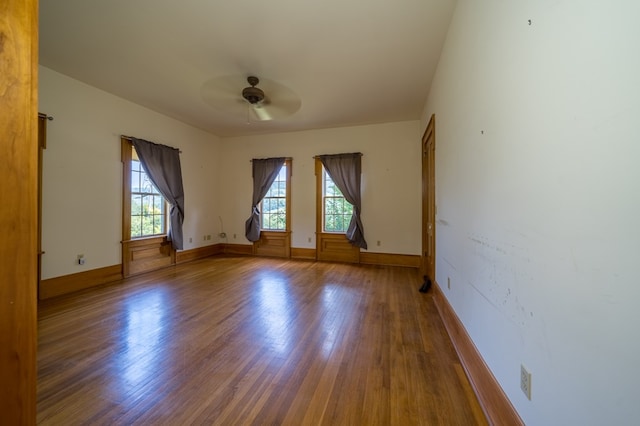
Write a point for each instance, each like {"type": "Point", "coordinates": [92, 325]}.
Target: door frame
{"type": "Point", "coordinates": [19, 215]}
{"type": "Point", "coordinates": [42, 145]}
{"type": "Point", "coordinates": [428, 255]}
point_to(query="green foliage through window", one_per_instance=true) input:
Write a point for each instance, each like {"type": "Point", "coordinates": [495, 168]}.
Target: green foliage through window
{"type": "Point", "coordinates": [337, 211]}
{"type": "Point", "coordinates": [148, 208]}
{"type": "Point", "coordinates": [273, 209]}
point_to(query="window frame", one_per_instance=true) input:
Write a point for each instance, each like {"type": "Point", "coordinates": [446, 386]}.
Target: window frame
{"type": "Point", "coordinates": [330, 246]}
{"type": "Point", "coordinates": [345, 217]}
{"type": "Point", "coordinates": [140, 254]}
{"type": "Point", "coordinates": [287, 165]}
{"type": "Point", "coordinates": [277, 243]}
{"type": "Point", "coordinates": [127, 158]}
{"type": "Point", "coordinates": [321, 180]}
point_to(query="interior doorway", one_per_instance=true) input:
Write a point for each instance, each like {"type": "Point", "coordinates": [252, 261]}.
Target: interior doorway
{"type": "Point", "coordinates": [42, 145]}
{"type": "Point", "coordinates": [428, 264]}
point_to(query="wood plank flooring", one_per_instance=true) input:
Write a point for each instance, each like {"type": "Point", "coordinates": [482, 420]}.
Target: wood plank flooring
{"type": "Point", "coordinates": [243, 340]}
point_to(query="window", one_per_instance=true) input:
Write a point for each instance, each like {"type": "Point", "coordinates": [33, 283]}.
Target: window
{"type": "Point", "coordinates": [144, 208]}
{"type": "Point", "coordinates": [273, 208]}
{"type": "Point", "coordinates": [333, 216]}
{"type": "Point", "coordinates": [145, 218]}
{"type": "Point", "coordinates": [274, 238]}
{"type": "Point", "coordinates": [336, 211]}
{"type": "Point", "coordinates": [148, 207]}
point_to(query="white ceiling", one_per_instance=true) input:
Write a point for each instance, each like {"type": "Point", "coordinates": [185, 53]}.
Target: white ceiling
{"type": "Point", "coordinates": [350, 61]}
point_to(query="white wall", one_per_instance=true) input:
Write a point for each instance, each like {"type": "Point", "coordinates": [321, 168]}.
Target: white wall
{"type": "Point", "coordinates": [538, 193]}
{"type": "Point", "coordinates": [391, 181]}
{"type": "Point", "coordinates": [82, 173]}
{"type": "Point", "coordinates": [82, 177]}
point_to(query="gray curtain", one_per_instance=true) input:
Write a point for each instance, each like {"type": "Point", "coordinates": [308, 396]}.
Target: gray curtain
{"type": "Point", "coordinates": [162, 164]}
{"type": "Point", "coordinates": [265, 172]}
{"type": "Point", "coordinates": [344, 170]}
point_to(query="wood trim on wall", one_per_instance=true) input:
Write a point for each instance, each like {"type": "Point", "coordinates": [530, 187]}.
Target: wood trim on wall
{"type": "Point", "coordinates": [273, 244]}
{"type": "Point", "coordinates": [125, 158]}
{"type": "Point", "coordinates": [65, 284]}
{"type": "Point", "coordinates": [336, 248]}
{"type": "Point", "coordinates": [390, 259]}
{"type": "Point", "coordinates": [58, 286]}
{"type": "Point", "coordinates": [53, 287]}
{"type": "Point", "coordinates": [242, 249]}
{"type": "Point", "coordinates": [303, 253]}
{"type": "Point", "coordinates": [492, 398]}
{"type": "Point", "coordinates": [146, 255]}
{"type": "Point", "coordinates": [185, 256]}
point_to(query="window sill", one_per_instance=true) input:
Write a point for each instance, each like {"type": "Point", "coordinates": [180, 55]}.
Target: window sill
{"type": "Point", "coordinates": [146, 240]}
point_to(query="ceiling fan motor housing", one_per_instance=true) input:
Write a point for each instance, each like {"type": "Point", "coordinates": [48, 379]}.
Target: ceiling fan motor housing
{"type": "Point", "coordinates": [252, 94]}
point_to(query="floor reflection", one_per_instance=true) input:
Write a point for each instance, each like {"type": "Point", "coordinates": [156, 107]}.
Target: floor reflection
{"type": "Point", "coordinates": [275, 311]}
{"type": "Point", "coordinates": [329, 326]}
{"type": "Point", "coordinates": [339, 305]}
{"type": "Point", "coordinates": [143, 342]}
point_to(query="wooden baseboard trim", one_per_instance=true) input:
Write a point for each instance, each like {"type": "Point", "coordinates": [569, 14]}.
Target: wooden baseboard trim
{"type": "Point", "coordinates": [58, 286]}
{"type": "Point", "coordinates": [494, 402]}
{"type": "Point", "coordinates": [243, 249]}
{"type": "Point", "coordinates": [199, 253]}
{"type": "Point", "coordinates": [303, 253]}
{"type": "Point", "coordinates": [389, 259]}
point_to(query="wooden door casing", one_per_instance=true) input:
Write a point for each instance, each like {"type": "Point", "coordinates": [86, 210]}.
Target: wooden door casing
{"type": "Point", "coordinates": [19, 215]}
{"type": "Point", "coordinates": [428, 255]}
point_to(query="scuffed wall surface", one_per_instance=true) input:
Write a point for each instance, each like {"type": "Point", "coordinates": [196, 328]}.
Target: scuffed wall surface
{"type": "Point", "coordinates": [538, 193]}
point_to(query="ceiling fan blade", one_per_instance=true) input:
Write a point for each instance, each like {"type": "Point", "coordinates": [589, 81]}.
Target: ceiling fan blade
{"type": "Point", "coordinates": [222, 94]}
{"type": "Point", "coordinates": [261, 112]}
{"type": "Point", "coordinates": [225, 94]}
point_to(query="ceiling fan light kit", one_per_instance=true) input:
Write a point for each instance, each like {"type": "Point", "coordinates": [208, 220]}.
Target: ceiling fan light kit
{"type": "Point", "coordinates": [252, 94]}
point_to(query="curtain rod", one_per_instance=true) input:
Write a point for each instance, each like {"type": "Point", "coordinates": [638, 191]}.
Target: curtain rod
{"type": "Point", "coordinates": [349, 153]}
{"type": "Point", "coordinates": [131, 137]}
{"type": "Point", "coordinates": [285, 159]}
{"type": "Point", "coordinates": [45, 116]}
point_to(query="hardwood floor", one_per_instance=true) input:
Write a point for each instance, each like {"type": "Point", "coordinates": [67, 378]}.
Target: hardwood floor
{"type": "Point", "coordinates": [242, 340]}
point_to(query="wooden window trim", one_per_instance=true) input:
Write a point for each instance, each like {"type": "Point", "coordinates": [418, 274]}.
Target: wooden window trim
{"type": "Point", "coordinates": [146, 253]}
{"type": "Point", "coordinates": [330, 246]}
{"type": "Point", "coordinates": [126, 147]}
{"type": "Point", "coordinates": [287, 164]}
{"type": "Point", "coordinates": [277, 243]}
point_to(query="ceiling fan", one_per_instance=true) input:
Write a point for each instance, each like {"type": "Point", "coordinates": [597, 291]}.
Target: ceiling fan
{"type": "Point", "coordinates": [270, 101]}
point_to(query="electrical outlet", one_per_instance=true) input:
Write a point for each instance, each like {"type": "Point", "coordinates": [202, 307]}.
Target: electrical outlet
{"type": "Point", "coordinates": [525, 381]}
{"type": "Point", "coordinates": [449, 283]}
{"type": "Point", "coordinates": [208, 237]}
{"type": "Point", "coordinates": [81, 259]}
{"type": "Point", "coordinates": [190, 239]}
{"type": "Point", "coordinates": [309, 239]}
{"type": "Point", "coordinates": [234, 236]}
{"type": "Point", "coordinates": [378, 243]}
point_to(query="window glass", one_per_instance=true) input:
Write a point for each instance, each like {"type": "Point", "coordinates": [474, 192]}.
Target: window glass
{"type": "Point", "coordinates": [273, 208]}
{"type": "Point", "coordinates": [148, 207]}
{"type": "Point", "coordinates": [336, 211]}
